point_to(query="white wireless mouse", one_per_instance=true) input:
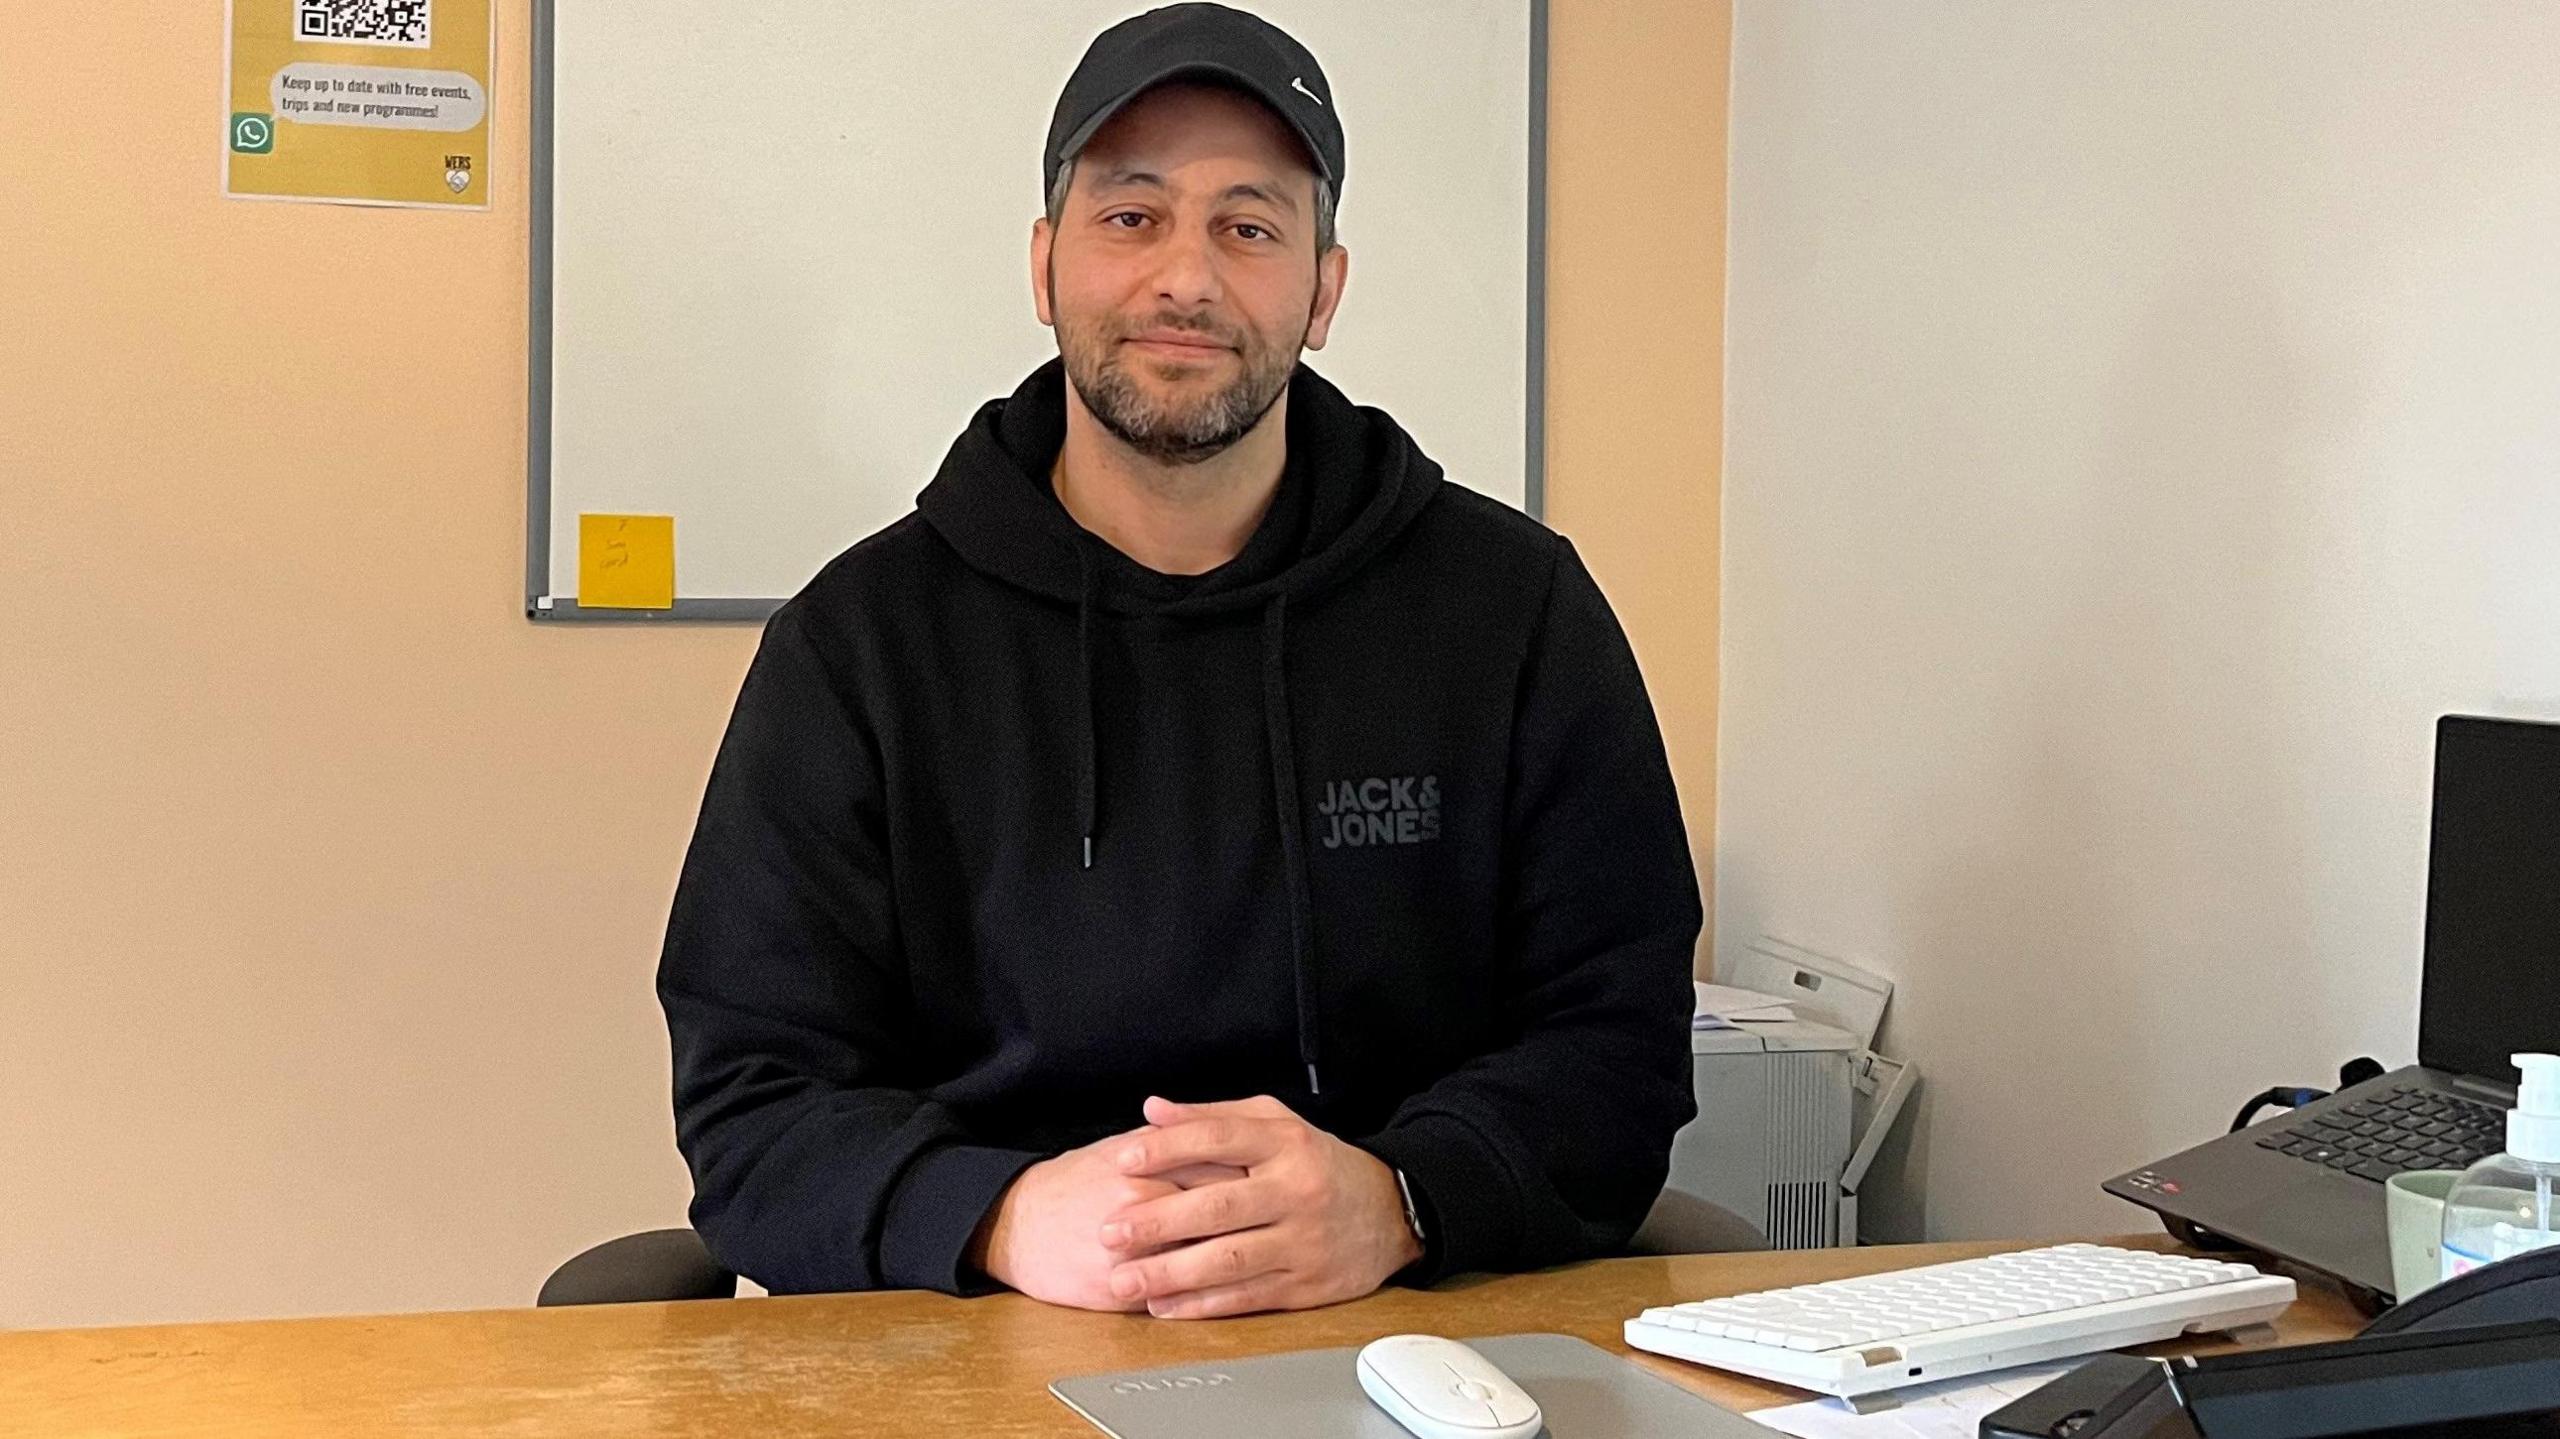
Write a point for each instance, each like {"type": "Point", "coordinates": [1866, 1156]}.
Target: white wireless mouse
{"type": "Point", "coordinates": [1441, 1389]}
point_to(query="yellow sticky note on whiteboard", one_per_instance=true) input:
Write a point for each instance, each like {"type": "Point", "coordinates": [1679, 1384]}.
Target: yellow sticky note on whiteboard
{"type": "Point", "coordinates": [626, 562]}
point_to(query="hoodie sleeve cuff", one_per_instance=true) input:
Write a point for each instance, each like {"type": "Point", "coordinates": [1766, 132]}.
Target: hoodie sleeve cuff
{"type": "Point", "coordinates": [1469, 1215]}
{"type": "Point", "coordinates": [939, 1203]}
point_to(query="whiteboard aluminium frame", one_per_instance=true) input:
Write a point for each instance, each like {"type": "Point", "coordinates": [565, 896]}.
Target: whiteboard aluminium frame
{"type": "Point", "coordinates": [541, 604]}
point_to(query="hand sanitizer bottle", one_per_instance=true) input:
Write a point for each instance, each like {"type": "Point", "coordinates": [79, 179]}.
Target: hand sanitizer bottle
{"type": "Point", "coordinates": [2502, 1206]}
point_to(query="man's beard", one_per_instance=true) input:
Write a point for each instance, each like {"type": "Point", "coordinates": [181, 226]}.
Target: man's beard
{"type": "Point", "coordinates": [1177, 431]}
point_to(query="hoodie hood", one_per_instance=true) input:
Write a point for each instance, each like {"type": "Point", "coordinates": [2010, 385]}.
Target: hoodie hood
{"type": "Point", "coordinates": [1355, 480]}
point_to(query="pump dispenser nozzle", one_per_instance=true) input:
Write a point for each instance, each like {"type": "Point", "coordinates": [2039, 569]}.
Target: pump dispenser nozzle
{"type": "Point", "coordinates": [2533, 1126]}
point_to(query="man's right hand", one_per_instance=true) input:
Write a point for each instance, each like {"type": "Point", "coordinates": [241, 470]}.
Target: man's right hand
{"type": "Point", "coordinates": [1044, 1237]}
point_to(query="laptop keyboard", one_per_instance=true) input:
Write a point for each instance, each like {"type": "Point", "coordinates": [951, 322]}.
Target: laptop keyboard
{"type": "Point", "coordinates": [2405, 1129]}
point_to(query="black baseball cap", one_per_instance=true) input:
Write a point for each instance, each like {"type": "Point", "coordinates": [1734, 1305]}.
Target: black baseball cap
{"type": "Point", "coordinates": [1203, 42]}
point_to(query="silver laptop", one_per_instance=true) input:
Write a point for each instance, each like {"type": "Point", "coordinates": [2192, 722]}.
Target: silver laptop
{"type": "Point", "coordinates": [2307, 1186]}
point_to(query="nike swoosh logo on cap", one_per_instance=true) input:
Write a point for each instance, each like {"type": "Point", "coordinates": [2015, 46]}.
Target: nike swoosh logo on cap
{"type": "Point", "coordinates": [1299, 84]}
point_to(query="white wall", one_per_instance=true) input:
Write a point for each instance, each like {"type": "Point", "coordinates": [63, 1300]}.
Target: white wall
{"type": "Point", "coordinates": [2144, 420]}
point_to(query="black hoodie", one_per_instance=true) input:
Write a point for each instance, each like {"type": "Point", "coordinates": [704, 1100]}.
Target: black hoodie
{"type": "Point", "coordinates": [1009, 832]}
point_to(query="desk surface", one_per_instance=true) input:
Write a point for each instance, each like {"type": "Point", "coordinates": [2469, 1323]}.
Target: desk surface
{"type": "Point", "coordinates": [825, 1365]}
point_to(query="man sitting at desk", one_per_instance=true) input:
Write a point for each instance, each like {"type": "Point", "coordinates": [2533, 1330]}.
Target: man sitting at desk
{"type": "Point", "coordinates": [1200, 861]}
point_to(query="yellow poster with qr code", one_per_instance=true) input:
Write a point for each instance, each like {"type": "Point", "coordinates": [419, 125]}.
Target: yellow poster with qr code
{"type": "Point", "coordinates": [360, 102]}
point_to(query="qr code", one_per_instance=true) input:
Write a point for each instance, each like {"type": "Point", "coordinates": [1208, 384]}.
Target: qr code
{"type": "Point", "coordinates": [363, 22]}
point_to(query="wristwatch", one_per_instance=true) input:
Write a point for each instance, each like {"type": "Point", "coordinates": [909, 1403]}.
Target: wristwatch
{"type": "Point", "coordinates": [1412, 1211]}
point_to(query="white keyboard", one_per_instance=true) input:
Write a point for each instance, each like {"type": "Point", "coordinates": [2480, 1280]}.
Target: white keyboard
{"type": "Point", "coordinates": [1912, 1326]}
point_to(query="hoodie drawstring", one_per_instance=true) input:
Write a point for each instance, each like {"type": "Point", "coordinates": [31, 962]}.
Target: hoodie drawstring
{"type": "Point", "coordinates": [1293, 851]}
{"type": "Point", "coordinates": [1085, 783]}
{"type": "Point", "coordinates": [1284, 791]}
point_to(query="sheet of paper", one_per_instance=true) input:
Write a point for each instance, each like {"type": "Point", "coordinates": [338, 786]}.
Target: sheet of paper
{"type": "Point", "coordinates": [626, 562]}
{"type": "Point", "coordinates": [1726, 1003]}
{"type": "Point", "coordinates": [1952, 1409]}
{"type": "Point", "coordinates": [368, 102]}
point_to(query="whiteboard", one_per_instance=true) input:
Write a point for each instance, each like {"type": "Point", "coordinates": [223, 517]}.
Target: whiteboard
{"type": "Point", "coordinates": [780, 257]}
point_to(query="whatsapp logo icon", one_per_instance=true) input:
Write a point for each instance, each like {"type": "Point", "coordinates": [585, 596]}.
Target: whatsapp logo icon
{"type": "Point", "coordinates": [253, 134]}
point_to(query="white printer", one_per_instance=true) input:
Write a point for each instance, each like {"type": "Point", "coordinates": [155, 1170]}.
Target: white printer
{"type": "Point", "coordinates": [1791, 1112]}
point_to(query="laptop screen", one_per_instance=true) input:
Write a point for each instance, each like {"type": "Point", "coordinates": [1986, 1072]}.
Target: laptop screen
{"type": "Point", "coordinates": [2492, 985]}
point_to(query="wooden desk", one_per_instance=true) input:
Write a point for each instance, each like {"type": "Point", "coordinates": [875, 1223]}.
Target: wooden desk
{"type": "Point", "coordinates": [833, 1365]}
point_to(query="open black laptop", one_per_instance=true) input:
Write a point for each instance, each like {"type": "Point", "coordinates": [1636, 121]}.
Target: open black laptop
{"type": "Point", "coordinates": [2307, 1185]}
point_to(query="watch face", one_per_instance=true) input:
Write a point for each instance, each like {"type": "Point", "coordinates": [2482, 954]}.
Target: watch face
{"type": "Point", "coordinates": [1412, 1214]}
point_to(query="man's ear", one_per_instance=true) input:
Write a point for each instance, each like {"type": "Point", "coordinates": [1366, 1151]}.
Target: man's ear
{"type": "Point", "coordinates": [1042, 236]}
{"type": "Point", "coordinates": [1333, 271]}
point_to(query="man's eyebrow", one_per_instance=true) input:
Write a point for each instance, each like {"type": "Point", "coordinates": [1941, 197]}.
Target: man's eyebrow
{"type": "Point", "coordinates": [1271, 195]}
{"type": "Point", "coordinates": [1112, 179]}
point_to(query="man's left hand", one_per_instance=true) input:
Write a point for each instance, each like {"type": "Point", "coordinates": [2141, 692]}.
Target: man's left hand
{"type": "Point", "coordinates": [1313, 1221]}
